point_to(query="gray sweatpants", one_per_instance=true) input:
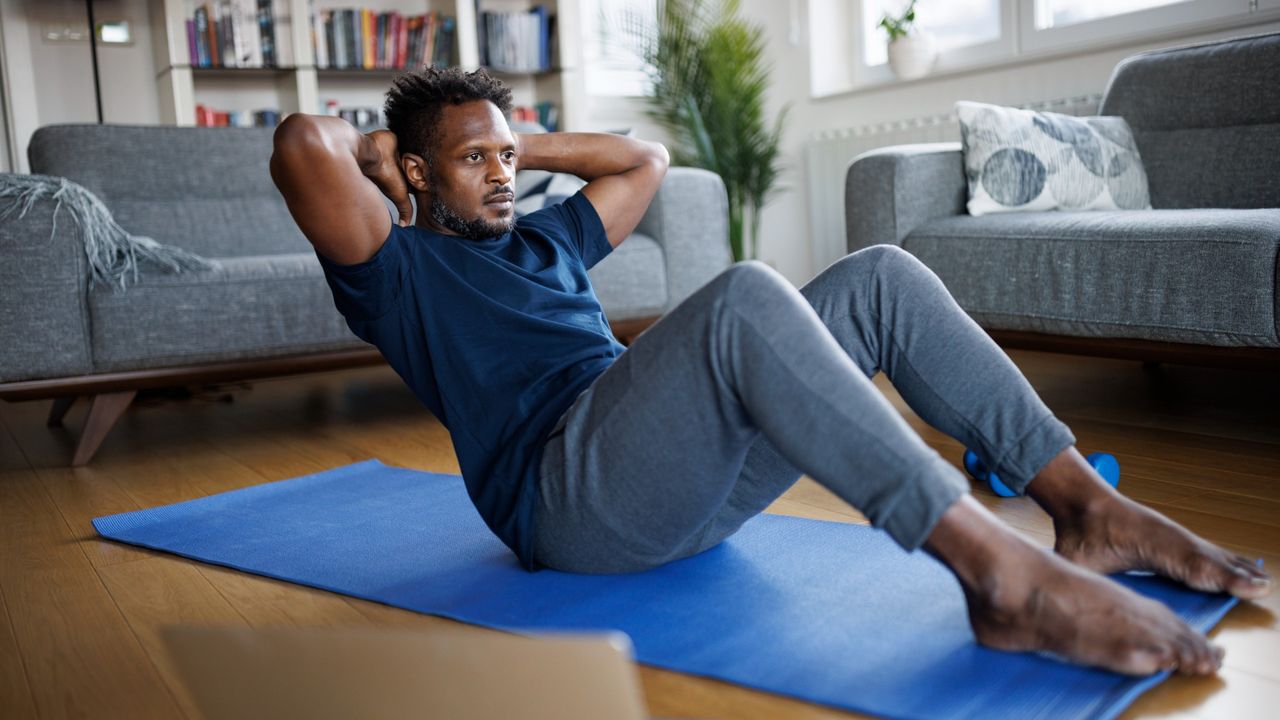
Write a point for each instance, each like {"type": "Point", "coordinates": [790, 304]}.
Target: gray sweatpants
{"type": "Point", "coordinates": [718, 408]}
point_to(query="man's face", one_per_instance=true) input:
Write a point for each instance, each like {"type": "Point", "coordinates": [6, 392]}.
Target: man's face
{"type": "Point", "coordinates": [472, 180]}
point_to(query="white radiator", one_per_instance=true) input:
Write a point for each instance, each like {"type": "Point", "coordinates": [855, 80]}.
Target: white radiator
{"type": "Point", "coordinates": [829, 153]}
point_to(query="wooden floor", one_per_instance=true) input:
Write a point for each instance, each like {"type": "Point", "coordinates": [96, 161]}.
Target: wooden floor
{"type": "Point", "coordinates": [79, 617]}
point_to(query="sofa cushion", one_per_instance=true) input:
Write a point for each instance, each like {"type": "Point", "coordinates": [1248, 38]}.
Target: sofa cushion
{"type": "Point", "coordinates": [631, 281]}
{"type": "Point", "coordinates": [1231, 167]}
{"type": "Point", "coordinates": [247, 307]}
{"type": "Point", "coordinates": [1193, 276]}
{"type": "Point", "coordinates": [1206, 118]}
{"type": "Point", "coordinates": [207, 190]}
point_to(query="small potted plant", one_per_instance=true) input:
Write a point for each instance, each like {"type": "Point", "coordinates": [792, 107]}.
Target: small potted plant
{"type": "Point", "coordinates": [911, 51]}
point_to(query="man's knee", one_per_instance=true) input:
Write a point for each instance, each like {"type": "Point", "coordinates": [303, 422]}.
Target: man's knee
{"type": "Point", "coordinates": [879, 259]}
{"type": "Point", "coordinates": [881, 266]}
{"type": "Point", "coordinates": [752, 281]}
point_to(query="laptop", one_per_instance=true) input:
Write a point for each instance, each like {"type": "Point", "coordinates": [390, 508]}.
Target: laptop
{"type": "Point", "coordinates": [454, 673]}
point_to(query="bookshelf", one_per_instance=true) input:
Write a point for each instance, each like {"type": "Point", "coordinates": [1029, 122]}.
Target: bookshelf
{"type": "Point", "coordinates": [298, 84]}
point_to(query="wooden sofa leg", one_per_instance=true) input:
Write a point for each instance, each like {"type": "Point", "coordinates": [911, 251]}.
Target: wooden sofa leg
{"type": "Point", "coordinates": [104, 411]}
{"type": "Point", "coordinates": [59, 410]}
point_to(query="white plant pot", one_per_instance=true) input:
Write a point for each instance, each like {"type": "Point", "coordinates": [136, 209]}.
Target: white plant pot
{"type": "Point", "coordinates": [912, 56]}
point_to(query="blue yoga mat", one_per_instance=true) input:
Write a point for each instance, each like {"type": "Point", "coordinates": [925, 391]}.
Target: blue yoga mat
{"type": "Point", "coordinates": [827, 612]}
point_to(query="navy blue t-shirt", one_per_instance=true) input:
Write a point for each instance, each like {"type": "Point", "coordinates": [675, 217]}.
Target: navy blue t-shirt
{"type": "Point", "coordinates": [496, 337]}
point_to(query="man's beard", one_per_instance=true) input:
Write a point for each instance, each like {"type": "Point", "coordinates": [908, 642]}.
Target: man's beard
{"type": "Point", "coordinates": [476, 228]}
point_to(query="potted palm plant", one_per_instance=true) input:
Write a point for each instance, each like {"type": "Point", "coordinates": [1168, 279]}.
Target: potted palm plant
{"type": "Point", "coordinates": [709, 76]}
{"type": "Point", "coordinates": [911, 51]}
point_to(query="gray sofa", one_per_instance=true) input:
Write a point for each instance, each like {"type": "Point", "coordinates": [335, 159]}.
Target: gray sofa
{"type": "Point", "coordinates": [1192, 280]}
{"type": "Point", "coordinates": [265, 309]}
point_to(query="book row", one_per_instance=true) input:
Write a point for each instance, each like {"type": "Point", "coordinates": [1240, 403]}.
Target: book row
{"type": "Point", "coordinates": [365, 39]}
{"type": "Point", "coordinates": [211, 117]}
{"type": "Point", "coordinates": [242, 34]}
{"type": "Point", "coordinates": [233, 33]}
{"type": "Point", "coordinates": [517, 41]}
{"type": "Point", "coordinates": [363, 118]}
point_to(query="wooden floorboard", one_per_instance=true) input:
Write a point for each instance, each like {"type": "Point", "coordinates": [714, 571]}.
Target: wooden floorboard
{"type": "Point", "coordinates": [80, 618]}
{"type": "Point", "coordinates": [80, 657]}
{"type": "Point", "coordinates": [163, 590]}
{"type": "Point", "coordinates": [15, 691]}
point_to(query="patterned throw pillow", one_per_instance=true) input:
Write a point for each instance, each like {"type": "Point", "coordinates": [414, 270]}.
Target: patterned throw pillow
{"type": "Point", "coordinates": [1023, 160]}
{"type": "Point", "coordinates": [536, 189]}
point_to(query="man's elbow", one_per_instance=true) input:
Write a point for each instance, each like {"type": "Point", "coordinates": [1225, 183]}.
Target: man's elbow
{"type": "Point", "coordinates": [656, 160]}
{"type": "Point", "coordinates": [295, 133]}
{"type": "Point", "coordinates": [658, 155]}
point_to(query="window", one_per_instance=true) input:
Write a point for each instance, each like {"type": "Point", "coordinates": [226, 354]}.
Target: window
{"type": "Point", "coordinates": [613, 59]}
{"type": "Point", "coordinates": [1059, 13]}
{"type": "Point", "coordinates": [952, 23]}
{"type": "Point", "coordinates": [848, 51]}
{"type": "Point", "coordinates": [1049, 25]}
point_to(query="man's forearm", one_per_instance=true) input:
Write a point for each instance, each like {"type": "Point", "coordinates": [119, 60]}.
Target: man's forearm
{"type": "Point", "coordinates": [587, 155]}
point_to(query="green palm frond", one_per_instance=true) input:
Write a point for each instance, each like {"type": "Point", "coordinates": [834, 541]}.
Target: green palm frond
{"type": "Point", "coordinates": [710, 77]}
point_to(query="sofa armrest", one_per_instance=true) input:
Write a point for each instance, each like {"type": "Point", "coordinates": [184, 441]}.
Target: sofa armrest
{"type": "Point", "coordinates": [44, 285]}
{"type": "Point", "coordinates": [689, 219]}
{"type": "Point", "coordinates": [890, 191]}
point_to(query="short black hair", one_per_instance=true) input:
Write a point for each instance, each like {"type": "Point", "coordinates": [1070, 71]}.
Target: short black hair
{"type": "Point", "coordinates": [416, 100]}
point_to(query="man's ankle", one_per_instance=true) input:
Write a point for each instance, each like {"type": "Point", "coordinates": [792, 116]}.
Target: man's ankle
{"type": "Point", "coordinates": [978, 548]}
{"type": "Point", "coordinates": [1067, 487]}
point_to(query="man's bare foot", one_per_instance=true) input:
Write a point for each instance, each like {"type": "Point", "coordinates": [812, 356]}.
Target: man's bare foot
{"type": "Point", "coordinates": [1021, 598]}
{"type": "Point", "coordinates": [1100, 529]}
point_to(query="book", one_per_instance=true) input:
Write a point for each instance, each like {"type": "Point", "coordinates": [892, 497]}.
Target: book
{"type": "Point", "coordinates": [444, 43]}
{"type": "Point", "coordinates": [330, 43]}
{"type": "Point", "coordinates": [239, 47]}
{"type": "Point", "coordinates": [366, 40]}
{"type": "Point", "coordinates": [267, 34]}
{"type": "Point", "coordinates": [340, 38]}
{"type": "Point", "coordinates": [214, 11]}
{"type": "Point", "coordinates": [379, 40]}
{"type": "Point", "coordinates": [226, 34]}
{"type": "Point", "coordinates": [202, 37]}
{"type": "Point", "coordinates": [193, 54]}
{"type": "Point", "coordinates": [319, 30]}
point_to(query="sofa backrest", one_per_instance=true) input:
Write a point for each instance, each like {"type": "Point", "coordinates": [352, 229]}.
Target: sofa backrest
{"type": "Point", "coordinates": [207, 190]}
{"type": "Point", "coordinates": [1207, 121]}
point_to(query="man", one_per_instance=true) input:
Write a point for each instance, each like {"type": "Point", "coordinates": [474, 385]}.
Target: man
{"type": "Point", "coordinates": [586, 458]}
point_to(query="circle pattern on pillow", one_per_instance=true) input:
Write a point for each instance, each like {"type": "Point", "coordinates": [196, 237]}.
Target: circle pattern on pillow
{"type": "Point", "coordinates": [1013, 177]}
{"type": "Point", "coordinates": [1023, 160]}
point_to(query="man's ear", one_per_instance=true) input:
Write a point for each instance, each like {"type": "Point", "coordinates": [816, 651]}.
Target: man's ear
{"type": "Point", "coordinates": [416, 171]}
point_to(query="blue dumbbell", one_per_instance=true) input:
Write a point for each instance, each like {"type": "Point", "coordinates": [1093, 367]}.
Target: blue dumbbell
{"type": "Point", "coordinates": [1105, 464]}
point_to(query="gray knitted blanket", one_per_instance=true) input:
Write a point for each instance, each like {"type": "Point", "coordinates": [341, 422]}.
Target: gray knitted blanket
{"type": "Point", "coordinates": [112, 252]}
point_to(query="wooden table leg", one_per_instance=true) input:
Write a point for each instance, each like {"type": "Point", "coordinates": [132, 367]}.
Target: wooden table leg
{"type": "Point", "coordinates": [103, 414]}
{"type": "Point", "coordinates": [59, 410]}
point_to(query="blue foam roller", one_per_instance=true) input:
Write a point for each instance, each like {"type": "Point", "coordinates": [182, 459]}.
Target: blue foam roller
{"type": "Point", "coordinates": [999, 488]}
{"type": "Point", "coordinates": [973, 465]}
{"type": "Point", "coordinates": [1107, 466]}
{"type": "Point", "coordinates": [978, 471]}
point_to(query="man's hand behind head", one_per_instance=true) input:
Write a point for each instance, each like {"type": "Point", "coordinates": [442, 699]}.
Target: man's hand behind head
{"type": "Point", "coordinates": [387, 173]}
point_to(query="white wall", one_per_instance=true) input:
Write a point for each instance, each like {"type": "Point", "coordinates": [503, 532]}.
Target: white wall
{"type": "Point", "coordinates": [785, 234]}
{"type": "Point", "coordinates": [6, 164]}
{"type": "Point", "coordinates": [52, 82]}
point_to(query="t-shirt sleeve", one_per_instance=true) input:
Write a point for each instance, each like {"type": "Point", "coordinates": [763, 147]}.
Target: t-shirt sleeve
{"type": "Point", "coordinates": [580, 225]}
{"type": "Point", "coordinates": [371, 289]}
